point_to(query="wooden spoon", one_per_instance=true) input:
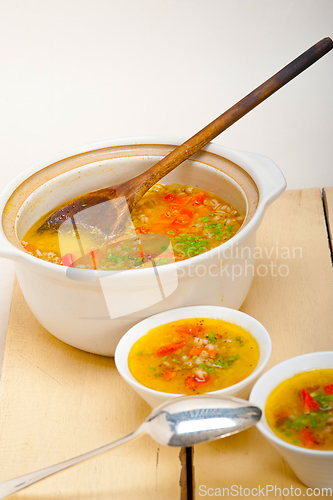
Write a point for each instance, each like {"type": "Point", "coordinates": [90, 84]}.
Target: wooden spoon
{"type": "Point", "coordinates": [135, 188]}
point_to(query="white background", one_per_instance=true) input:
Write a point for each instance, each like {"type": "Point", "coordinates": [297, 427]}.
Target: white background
{"type": "Point", "coordinates": [79, 71]}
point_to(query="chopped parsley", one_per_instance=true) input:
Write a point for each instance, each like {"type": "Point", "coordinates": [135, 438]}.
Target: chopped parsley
{"type": "Point", "coordinates": [190, 245]}
{"type": "Point", "coordinates": [323, 400]}
{"type": "Point", "coordinates": [224, 362]}
{"type": "Point", "coordinates": [211, 338]}
{"type": "Point", "coordinates": [306, 420]}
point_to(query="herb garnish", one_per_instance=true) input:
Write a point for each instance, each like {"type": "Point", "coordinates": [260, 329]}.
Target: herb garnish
{"type": "Point", "coordinates": [211, 338]}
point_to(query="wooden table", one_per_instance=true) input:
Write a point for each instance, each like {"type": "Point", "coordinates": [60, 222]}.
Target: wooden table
{"type": "Point", "coordinates": [57, 402]}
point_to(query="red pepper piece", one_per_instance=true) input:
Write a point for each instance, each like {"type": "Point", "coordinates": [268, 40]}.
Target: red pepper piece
{"type": "Point", "coordinates": [169, 348]}
{"type": "Point", "coordinates": [309, 403]}
{"type": "Point", "coordinates": [143, 229]}
{"type": "Point", "coordinates": [169, 197]}
{"type": "Point", "coordinates": [198, 199]}
{"type": "Point", "coordinates": [192, 381]}
{"type": "Point", "coordinates": [328, 389]}
{"type": "Point", "coordinates": [307, 438]}
{"type": "Point", "coordinates": [68, 259]}
{"type": "Point", "coordinates": [169, 375]}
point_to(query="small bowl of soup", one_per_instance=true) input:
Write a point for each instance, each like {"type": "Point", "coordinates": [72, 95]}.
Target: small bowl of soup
{"type": "Point", "coordinates": [193, 350]}
{"type": "Point", "coordinates": [296, 397]}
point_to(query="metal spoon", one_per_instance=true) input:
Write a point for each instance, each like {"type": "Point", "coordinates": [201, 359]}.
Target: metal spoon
{"type": "Point", "coordinates": [184, 421]}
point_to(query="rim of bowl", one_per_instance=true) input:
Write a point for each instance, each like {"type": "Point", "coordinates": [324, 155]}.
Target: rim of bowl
{"type": "Point", "coordinates": [261, 425]}
{"type": "Point", "coordinates": [124, 346]}
{"type": "Point", "coordinates": [230, 154]}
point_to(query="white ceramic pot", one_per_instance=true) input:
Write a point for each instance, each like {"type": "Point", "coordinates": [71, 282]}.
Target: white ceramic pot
{"type": "Point", "coordinates": [90, 310]}
{"type": "Point", "coordinates": [251, 325]}
{"type": "Point", "coordinates": [313, 467]}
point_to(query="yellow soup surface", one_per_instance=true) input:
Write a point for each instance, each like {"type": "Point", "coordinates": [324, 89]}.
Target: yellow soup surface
{"type": "Point", "coordinates": [300, 410]}
{"type": "Point", "coordinates": [190, 221]}
{"type": "Point", "coordinates": [193, 356]}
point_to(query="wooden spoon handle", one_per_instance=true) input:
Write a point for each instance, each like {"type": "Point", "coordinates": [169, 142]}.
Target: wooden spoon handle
{"type": "Point", "coordinates": [241, 108]}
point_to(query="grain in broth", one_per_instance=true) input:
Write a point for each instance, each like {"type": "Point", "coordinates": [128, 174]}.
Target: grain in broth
{"type": "Point", "coordinates": [192, 221]}
{"type": "Point", "coordinates": [193, 356]}
{"type": "Point", "coordinates": [300, 410]}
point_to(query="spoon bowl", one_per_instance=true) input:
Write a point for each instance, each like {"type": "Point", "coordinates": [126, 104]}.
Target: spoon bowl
{"type": "Point", "coordinates": [184, 421]}
{"type": "Point", "coordinates": [189, 420]}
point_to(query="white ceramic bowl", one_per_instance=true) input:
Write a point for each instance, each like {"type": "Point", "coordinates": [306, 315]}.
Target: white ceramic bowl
{"type": "Point", "coordinates": [154, 398]}
{"type": "Point", "coordinates": [92, 310]}
{"type": "Point", "coordinates": [313, 467]}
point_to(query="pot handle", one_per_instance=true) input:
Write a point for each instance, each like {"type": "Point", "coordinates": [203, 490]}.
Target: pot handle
{"type": "Point", "coordinates": [9, 251]}
{"type": "Point", "coordinates": [267, 176]}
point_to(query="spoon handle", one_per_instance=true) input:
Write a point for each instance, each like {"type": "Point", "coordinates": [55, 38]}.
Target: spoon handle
{"type": "Point", "coordinates": [241, 108]}
{"type": "Point", "coordinates": [19, 483]}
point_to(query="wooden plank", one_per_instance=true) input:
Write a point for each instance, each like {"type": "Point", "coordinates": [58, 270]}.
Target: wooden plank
{"type": "Point", "coordinates": [328, 203]}
{"type": "Point", "coordinates": [58, 402]}
{"type": "Point", "coordinates": [297, 311]}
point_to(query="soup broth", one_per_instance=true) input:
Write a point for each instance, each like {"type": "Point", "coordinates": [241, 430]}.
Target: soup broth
{"type": "Point", "coordinates": [300, 410]}
{"type": "Point", "coordinates": [193, 356]}
{"type": "Point", "coordinates": [191, 221]}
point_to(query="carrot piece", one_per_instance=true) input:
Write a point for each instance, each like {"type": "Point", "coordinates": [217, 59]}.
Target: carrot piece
{"type": "Point", "coordinates": [309, 403]}
{"type": "Point", "coordinates": [198, 199]}
{"type": "Point", "coordinates": [184, 216]}
{"type": "Point", "coordinates": [169, 375]}
{"type": "Point", "coordinates": [97, 256]}
{"type": "Point", "coordinates": [26, 245]}
{"type": "Point", "coordinates": [211, 353]}
{"type": "Point", "coordinates": [189, 330]}
{"type": "Point", "coordinates": [184, 330]}
{"type": "Point", "coordinates": [182, 219]}
{"type": "Point", "coordinates": [204, 211]}
{"type": "Point", "coordinates": [165, 219]}
{"type": "Point", "coordinates": [328, 389]}
{"type": "Point", "coordinates": [169, 348]}
{"type": "Point", "coordinates": [192, 381]}
{"type": "Point", "coordinates": [196, 351]}
{"type": "Point", "coordinates": [169, 197]}
{"type": "Point", "coordinates": [93, 259]}
{"type": "Point", "coordinates": [68, 259]}
{"type": "Point", "coordinates": [307, 438]}
{"type": "Point", "coordinates": [179, 202]}
{"type": "Point", "coordinates": [186, 211]}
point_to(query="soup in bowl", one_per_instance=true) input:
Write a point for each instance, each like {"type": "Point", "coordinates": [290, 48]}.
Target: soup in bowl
{"type": "Point", "coordinates": [295, 397]}
{"type": "Point", "coordinates": [193, 350]}
{"type": "Point", "coordinates": [92, 308]}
